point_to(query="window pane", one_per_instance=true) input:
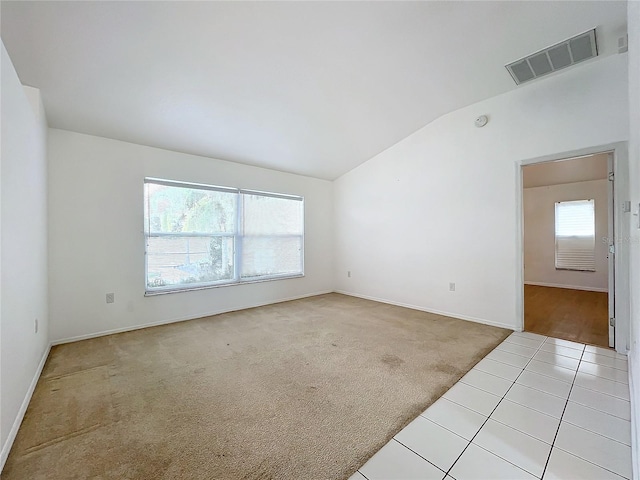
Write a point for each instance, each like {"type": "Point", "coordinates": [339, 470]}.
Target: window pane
{"type": "Point", "coordinates": [198, 235]}
{"type": "Point", "coordinates": [188, 260]}
{"type": "Point", "coordinates": [272, 241]}
{"type": "Point", "coordinates": [270, 215]}
{"type": "Point", "coordinates": [575, 218]}
{"type": "Point", "coordinates": [178, 210]}
{"type": "Point", "coordinates": [271, 255]}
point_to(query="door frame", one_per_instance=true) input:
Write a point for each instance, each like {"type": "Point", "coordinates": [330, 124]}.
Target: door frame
{"type": "Point", "coordinates": [611, 246]}
{"type": "Point", "coordinates": [620, 161]}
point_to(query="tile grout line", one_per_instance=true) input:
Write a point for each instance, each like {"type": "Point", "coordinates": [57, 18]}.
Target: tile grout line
{"type": "Point", "coordinates": [592, 463]}
{"type": "Point", "coordinates": [544, 470]}
{"type": "Point", "coordinates": [411, 450]}
{"type": "Point", "coordinates": [576, 372]}
{"type": "Point", "coordinates": [605, 378]}
{"type": "Point", "coordinates": [563, 345]}
{"type": "Point", "coordinates": [608, 366]}
{"type": "Point", "coordinates": [497, 421]}
{"type": "Point", "coordinates": [492, 411]}
{"type": "Point", "coordinates": [530, 371]}
{"type": "Point", "coordinates": [528, 408]}
{"type": "Point", "coordinates": [599, 409]}
{"type": "Point", "coordinates": [522, 385]}
{"type": "Point", "coordinates": [537, 373]}
{"type": "Point", "coordinates": [592, 431]}
{"type": "Point", "coordinates": [601, 392]}
{"type": "Point", "coordinates": [520, 404]}
{"type": "Point", "coordinates": [537, 360]}
{"type": "Point", "coordinates": [510, 353]}
{"type": "Point", "coordinates": [586, 429]}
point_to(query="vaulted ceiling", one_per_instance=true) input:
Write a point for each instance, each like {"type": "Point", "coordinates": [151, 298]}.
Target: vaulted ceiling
{"type": "Point", "coordinates": [314, 88]}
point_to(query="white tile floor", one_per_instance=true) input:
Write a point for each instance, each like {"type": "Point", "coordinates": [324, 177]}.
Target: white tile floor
{"type": "Point", "coordinates": [535, 407]}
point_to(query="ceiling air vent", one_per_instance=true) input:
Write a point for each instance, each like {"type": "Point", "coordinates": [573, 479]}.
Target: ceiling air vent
{"type": "Point", "coordinates": [562, 55]}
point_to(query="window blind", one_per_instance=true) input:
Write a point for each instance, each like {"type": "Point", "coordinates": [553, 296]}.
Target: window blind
{"type": "Point", "coordinates": [575, 235]}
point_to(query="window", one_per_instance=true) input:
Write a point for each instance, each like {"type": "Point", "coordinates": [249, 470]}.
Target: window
{"type": "Point", "coordinates": [200, 236]}
{"type": "Point", "coordinates": [575, 235]}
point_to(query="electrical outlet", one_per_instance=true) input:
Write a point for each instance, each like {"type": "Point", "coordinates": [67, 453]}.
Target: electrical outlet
{"type": "Point", "coordinates": [349, 274]}
{"type": "Point", "coordinates": [111, 297]}
{"type": "Point", "coordinates": [452, 287]}
{"type": "Point", "coordinates": [35, 326]}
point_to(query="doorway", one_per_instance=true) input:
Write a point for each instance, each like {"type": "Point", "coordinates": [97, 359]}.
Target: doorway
{"type": "Point", "coordinates": [568, 248]}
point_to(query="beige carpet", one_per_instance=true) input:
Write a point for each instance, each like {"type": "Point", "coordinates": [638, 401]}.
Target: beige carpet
{"type": "Point", "coordinates": [307, 389]}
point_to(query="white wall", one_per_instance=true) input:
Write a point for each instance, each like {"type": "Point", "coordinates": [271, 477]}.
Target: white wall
{"type": "Point", "coordinates": [539, 235]}
{"type": "Point", "coordinates": [634, 231]}
{"type": "Point", "coordinates": [96, 242]}
{"type": "Point", "coordinates": [23, 249]}
{"type": "Point", "coordinates": [440, 206]}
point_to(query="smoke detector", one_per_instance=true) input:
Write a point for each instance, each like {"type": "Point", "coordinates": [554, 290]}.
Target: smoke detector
{"type": "Point", "coordinates": [481, 121]}
{"type": "Point", "coordinates": [556, 57]}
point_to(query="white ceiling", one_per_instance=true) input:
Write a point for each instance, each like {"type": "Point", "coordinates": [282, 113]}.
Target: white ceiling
{"type": "Point", "coordinates": [582, 169]}
{"type": "Point", "coordinates": [314, 88]}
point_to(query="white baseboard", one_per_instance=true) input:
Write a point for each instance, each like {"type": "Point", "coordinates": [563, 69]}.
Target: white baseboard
{"type": "Point", "coordinates": [6, 448]}
{"type": "Point", "coordinates": [570, 287]}
{"type": "Point", "coordinates": [181, 319]}
{"type": "Point", "coordinates": [634, 392]}
{"type": "Point", "coordinates": [431, 310]}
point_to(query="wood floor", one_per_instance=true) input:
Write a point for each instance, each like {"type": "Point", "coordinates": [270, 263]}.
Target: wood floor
{"type": "Point", "coordinates": [575, 315]}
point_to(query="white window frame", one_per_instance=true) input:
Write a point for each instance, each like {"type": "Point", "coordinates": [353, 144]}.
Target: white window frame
{"type": "Point", "coordinates": [575, 252]}
{"type": "Point", "coordinates": [238, 236]}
